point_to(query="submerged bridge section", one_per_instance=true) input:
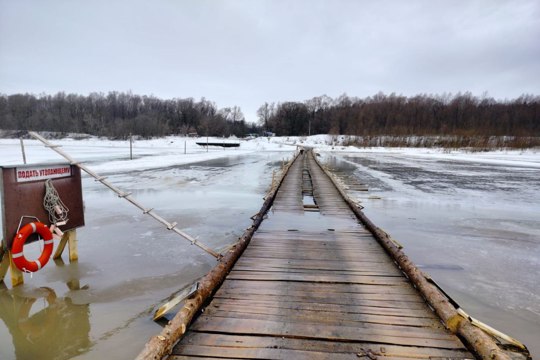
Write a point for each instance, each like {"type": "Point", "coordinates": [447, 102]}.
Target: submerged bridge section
{"type": "Point", "coordinates": [315, 284]}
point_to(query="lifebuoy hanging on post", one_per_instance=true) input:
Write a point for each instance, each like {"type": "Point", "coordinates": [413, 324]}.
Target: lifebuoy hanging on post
{"type": "Point", "coordinates": [18, 243]}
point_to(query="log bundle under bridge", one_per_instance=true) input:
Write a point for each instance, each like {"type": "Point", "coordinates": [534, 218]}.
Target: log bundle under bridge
{"type": "Point", "coordinates": [317, 280]}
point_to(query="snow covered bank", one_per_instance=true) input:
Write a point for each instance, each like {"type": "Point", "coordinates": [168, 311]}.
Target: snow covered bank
{"type": "Point", "coordinates": [113, 155]}
{"type": "Point", "coordinates": [333, 144]}
{"type": "Point", "coordinates": [169, 151]}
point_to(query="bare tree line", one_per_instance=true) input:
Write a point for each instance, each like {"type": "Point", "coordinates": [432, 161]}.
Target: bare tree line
{"type": "Point", "coordinates": [395, 115]}
{"type": "Point", "coordinates": [118, 114]}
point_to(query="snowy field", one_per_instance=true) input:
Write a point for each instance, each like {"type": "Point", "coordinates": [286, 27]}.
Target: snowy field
{"type": "Point", "coordinates": [469, 219]}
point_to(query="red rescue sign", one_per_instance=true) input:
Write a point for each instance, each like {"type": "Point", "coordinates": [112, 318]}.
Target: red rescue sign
{"type": "Point", "coordinates": [42, 173]}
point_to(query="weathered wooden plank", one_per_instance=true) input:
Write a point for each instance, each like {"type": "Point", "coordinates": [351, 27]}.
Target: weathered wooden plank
{"type": "Point", "coordinates": [198, 357]}
{"type": "Point", "coordinates": [273, 286]}
{"type": "Point", "coordinates": [330, 249]}
{"type": "Point", "coordinates": [350, 279]}
{"type": "Point", "coordinates": [272, 292]}
{"type": "Point", "coordinates": [349, 255]}
{"type": "Point", "coordinates": [322, 272]}
{"type": "Point", "coordinates": [324, 332]}
{"type": "Point", "coordinates": [316, 286]}
{"type": "Point", "coordinates": [326, 307]}
{"type": "Point", "coordinates": [319, 270]}
{"type": "Point", "coordinates": [225, 310]}
{"type": "Point", "coordinates": [330, 265]}
{"type": "Point", "coordinates": [315, 243]}
{"type": "Point", "coordinates": [333, 236]}
{"type": "Point", "coordinates": [264, 353]}
{"type": "Point", "coordinates": [329, 347]}
{"type": "Point", "coordinates": [322, 299]}
{"type": "Point", "coordinates": [316, 246]}
{"type": "Point", "coordinates": [316, 256]}
{"type": "Point", "coordinates": [384, 328]}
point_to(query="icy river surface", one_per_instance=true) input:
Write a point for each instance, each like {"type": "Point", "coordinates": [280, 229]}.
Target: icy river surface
{"type": "Point", "coordinates": [474, 226]}
{"type": "Point", "coordinates": [102, 305]}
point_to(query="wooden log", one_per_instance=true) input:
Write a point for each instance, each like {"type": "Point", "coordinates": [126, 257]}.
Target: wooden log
{"type": "Point", "coordinates": [187, 292]}
{"type": "Point", "coordinates": [478, 341]}
{"type": "Point", "coordinates": [17, 277]}
{"type": "Point", "coordinates": [61, 246]}
{"type": "Point", "coordinates": [69, 238]}
{"type": "Point", "coordinates": [4, 263]}
{"type": "Point", "coordinates": [161, 345]}
{"type": "Point", "coordinates": [72, 245]}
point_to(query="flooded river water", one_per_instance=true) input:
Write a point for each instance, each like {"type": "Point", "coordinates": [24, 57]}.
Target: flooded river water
{"type": "Point", "coordinates": [102, 305]}
{"type": "Point", "coordinates": [473, 226]}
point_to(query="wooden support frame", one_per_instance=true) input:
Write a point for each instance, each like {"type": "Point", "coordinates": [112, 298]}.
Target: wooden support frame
{"type": "Point", "coordinates": [70, 239]}
{"type": "Point", "coordinates": [72, 246]}
{"type": "Point", "coordinates": [17, 277]}
{"type": "Point", "coordinates": [4, 265]}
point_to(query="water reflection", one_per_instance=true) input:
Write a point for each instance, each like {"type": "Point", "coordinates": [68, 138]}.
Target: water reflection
{"type": "Point", "coordinates": [44, 326]}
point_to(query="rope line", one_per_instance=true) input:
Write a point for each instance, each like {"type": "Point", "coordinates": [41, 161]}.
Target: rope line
{"type": "Point", "coordinates": [150, 212]}
{"type": "Point", "coordinates": [58, 211]}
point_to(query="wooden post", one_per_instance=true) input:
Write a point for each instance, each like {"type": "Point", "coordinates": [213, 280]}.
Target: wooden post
{"type": "Point", "coordinates": [70, 239]}
{"type": "Point", "coordinates": [72, 245]}
{"type": "Point", "coordinates": [61, 246]}
{"type": "Point", "coordinates": [130, 147]}
{"type": "Point", "coordinates": [17, 277]}
{"type": "Point", "coordinates": [23, 152]}
{"type": "Point", "coordinates": [4, 265]}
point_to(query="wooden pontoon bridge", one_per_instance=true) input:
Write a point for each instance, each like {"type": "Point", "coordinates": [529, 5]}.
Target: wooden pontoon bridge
{"type": "Point", "coordinates": [312, 282]}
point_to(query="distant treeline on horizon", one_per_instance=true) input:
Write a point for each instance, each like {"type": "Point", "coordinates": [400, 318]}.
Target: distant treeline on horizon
{"type": "Point", "coordinates": [119, 114]}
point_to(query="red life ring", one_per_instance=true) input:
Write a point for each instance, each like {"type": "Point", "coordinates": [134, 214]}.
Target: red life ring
{"type": "Point", "coordinates": [18, 242]}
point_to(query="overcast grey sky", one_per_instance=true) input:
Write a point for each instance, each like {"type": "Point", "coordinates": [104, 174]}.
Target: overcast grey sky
{"type": "Point", "coordinates": [247, 52]}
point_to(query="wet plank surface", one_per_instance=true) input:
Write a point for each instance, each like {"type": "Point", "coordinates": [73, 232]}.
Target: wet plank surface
{"type": "Point", "coordinates": [316, 285]}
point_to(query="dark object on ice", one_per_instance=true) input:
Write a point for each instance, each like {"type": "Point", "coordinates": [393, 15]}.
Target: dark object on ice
{"type": "Point", "coordinates": [225, 145]}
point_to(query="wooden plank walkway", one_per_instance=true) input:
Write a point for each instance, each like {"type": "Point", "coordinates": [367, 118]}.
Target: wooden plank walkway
{"type": "Point", "coordinates": [316, 285]}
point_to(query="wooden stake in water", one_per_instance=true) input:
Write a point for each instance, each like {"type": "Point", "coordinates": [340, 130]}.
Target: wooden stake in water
{"type": "Point", "coordinates": [130, 147]}
{"type": "Point", "coordinates": [22, 149]}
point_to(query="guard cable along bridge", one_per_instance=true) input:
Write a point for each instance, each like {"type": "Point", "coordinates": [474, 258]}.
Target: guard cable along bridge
{"type": "Point", "coordinates": [125, 195]}
{"type": "Point", "coordinates": [312, 282]}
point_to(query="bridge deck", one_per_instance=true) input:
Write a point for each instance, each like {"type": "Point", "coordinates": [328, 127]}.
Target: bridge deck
{"type": "Point", "coordinates": [316, 285]}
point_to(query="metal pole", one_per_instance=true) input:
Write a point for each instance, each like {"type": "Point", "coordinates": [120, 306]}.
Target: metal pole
{"type": "Point", "coordinates": [127, 196]}
{"type": "Point", "coordinates": [130, 147]}
{"type": "Point", "coordinates": [22, 149]}
{"type": "Point", "coordinates": [185, 147]}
